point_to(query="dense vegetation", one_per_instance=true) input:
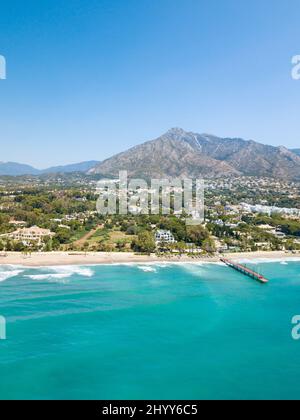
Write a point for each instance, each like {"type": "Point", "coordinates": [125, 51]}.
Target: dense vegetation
{"type": "Point", "coordinates": [69, 212]}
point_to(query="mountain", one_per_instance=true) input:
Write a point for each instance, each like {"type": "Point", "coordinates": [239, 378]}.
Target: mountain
{"type": "Point", "coordinates": [18, 169]}
{"type": "Point", "coordinates": [76, 167]}
{"type": "Point", "coordinates": [169, 155]}
{"type": "Point", "coordinates": [180, 153]}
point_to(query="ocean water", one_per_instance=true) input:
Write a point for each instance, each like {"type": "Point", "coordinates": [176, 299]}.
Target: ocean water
{"type": "Point", "coordinates": [149, 332]}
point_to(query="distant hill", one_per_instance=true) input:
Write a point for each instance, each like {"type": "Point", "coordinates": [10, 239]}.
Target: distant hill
{"type": "Point", "coordinates": [18, 169]}
{"type": "Point", "coordinates": [181, 153]}
{"type": "Point", "coordinates": [76, 167]}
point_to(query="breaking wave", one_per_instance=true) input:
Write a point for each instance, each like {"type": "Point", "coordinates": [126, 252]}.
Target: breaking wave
{"type": "Point", "coordinates": [71, 270]}
{"type": "Point", "coordinates": [147, 268]}
{"type": "Point", "coordinates": [63, 272]}
{"type": "Point", "coordinates": [4, 275]}
{"type": "Point", "coordinates": [47, 276]}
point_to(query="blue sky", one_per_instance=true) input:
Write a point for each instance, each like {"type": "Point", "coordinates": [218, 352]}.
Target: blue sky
{"type": "Point", "coordinates": [87, 79]}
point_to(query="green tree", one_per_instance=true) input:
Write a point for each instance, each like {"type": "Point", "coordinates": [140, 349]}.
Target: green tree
{"type": "Point", "coordinates": [120, 244]}
{"type": "Point", "coordinates": [197, 234]}
{"type": "Point", "coordinates": [49, 245]}
{"type": "Point", "coordinates": [145, 243]}
{"type": "Point", "coordinates": [63, 235]}
{"type": "Point", "coordinates": [181, 246]}
{"type": "Point", "coordinates": [208, 245]}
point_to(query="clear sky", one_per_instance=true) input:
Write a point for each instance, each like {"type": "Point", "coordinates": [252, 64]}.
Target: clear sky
{"type": "Point", "coordinates": [88, 79]}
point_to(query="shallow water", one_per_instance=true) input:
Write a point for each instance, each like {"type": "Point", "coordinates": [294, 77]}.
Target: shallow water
{"type": "Point", "coordinates": [149, 332]}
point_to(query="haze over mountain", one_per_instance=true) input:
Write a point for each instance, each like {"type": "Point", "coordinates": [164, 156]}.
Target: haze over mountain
{"type": "Point", "coordinates": [18, 169]}
{"type": "Point", "coordinates": [180, 153]}
{"type": "Point", "coordinates": [75, 167]}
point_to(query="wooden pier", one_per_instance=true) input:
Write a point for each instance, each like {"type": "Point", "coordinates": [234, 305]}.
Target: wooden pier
{"type": "Point", "coordinates": [244, 270]}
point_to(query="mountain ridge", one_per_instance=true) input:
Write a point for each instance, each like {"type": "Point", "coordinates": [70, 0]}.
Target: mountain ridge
{"type": "Point", "coordinates": [181, 153]}
{"type": "Point", "coordinates": [16, 169]}
{"type": "Point", "coordinates": [19, 169]}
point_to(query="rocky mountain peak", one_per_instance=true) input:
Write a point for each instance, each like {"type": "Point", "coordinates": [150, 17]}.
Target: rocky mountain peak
{"type": "Point", "coordinates": [181, 153]}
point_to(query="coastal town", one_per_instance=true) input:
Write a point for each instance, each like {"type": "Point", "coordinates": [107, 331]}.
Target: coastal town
{"type": "Point", "coordinates": [149, 204]}
{"type": "Point", "coordinates": [244, 214]}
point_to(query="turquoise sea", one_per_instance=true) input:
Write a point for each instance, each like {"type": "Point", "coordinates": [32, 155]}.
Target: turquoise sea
{"type": "Point", "coordinates": [149, 332]}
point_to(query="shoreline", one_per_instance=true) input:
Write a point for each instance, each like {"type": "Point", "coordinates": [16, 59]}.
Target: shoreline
{"type": "Point", "coordinates": [41, 259]}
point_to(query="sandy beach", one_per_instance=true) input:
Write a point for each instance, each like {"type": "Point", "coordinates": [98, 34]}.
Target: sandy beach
{"type": "Point", "coordinates": [64, 258]}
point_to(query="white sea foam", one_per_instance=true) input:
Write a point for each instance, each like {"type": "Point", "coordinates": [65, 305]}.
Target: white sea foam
{"type": "Point", "coordinates": [147, 268]}
{"type": "Point", "coordinates": [61, 273]}
{"type": "Point", "coordinates": [4, 275]}
{"type": "Point", "coordinates": [200, 270]}
{"type": "Point", "coordinates": [69, 270]}
{"type": "Point", "coordinates": [47, 276]}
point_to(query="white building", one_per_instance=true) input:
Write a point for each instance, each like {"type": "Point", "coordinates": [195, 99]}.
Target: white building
{"type": "Point", "coordinates": [32, 234]}
{"type": "Point", "coordinates": [164, 236]}
{"type": "Point", "coordinates": [269, 210]}
{"type": "Point", "coordinates": [17, 223]}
